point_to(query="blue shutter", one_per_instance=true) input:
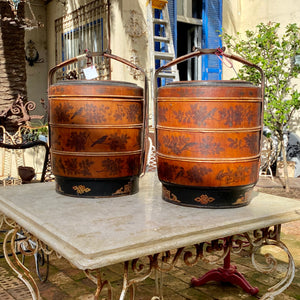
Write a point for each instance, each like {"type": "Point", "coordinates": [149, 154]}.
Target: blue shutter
{"type": "Point", "coordinates": [212, 25]}
{"type": "Point", "coordinates": [172, 8]}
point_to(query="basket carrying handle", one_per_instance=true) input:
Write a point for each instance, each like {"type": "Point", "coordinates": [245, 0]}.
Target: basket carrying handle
{"type": "Point", "coordinates": [89, 55]}
{"type": "Point", "coordinates": [218, 52]}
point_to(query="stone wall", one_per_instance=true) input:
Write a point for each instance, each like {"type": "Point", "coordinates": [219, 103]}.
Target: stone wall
{"type": "Point", "coordinates": [12, 57]}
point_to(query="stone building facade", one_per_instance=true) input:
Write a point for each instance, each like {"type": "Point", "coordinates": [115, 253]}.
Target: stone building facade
{"type": "Point", "coordinates": [129, 31]}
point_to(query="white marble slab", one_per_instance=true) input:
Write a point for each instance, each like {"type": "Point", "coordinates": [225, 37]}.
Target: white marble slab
{"type": "Point", "coordinates": [93, 233]}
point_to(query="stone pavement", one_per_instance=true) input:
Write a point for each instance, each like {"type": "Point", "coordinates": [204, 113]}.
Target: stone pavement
{"type": "Point", "coordinates": [277, 182]}
{"type": "Point", "coordinates": [66, 282]}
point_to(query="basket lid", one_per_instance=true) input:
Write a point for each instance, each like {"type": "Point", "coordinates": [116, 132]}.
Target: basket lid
{"type": "Point", "coordinates": [213, 83]}
{"type": "Point", "coordinates": [95, 82]}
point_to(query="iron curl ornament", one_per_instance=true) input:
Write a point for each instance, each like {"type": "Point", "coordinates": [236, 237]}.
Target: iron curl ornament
{"type": "Point", "coordinates": [270, 236]}
{"type": "Point", "coordinates": [213, 252]}
{"type": "Point", "coordinates": [20, 109]}
{"type": "Point", "coordinates": [19, 243]}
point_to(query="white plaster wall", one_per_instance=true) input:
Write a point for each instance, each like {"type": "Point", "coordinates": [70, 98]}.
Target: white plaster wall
{"type": "Point", "coordinates": [256, 11]}
{"type": "Point", "coordinates": [283, 12]}
{"type": "Point", "coordinates": [121, 43]}
{"type": "Point", "coordinates": [240, 15]}
{"type": "Point", "coordinates": [231, 25]}
{"type": "Point", "coordinates": [129, 37]}
{"type": "Point", "coordinates": [55, 10]}
{"type": "Point", "coordinates": [37, 74]}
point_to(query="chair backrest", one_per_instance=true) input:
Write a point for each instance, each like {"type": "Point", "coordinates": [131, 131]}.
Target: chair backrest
{"type": "Point", "coordinates": [18, 151]}
{"type": "Point", "coordinates": [151, 157]}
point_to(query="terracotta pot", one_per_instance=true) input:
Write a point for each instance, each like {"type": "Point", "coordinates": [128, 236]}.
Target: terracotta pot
{"type": "Point", "coordinates": [26, 173]}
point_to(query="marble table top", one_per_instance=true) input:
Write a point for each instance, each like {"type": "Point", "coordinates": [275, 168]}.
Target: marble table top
{"type": "Point", "coordinates": [97, 232]}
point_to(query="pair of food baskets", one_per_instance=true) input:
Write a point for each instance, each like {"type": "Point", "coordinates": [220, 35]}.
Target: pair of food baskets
{"type": "Point", "coordinates": [207, 136]}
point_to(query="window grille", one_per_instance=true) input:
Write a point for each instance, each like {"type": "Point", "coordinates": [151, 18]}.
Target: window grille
{"type": "Point", "coordinates": [84, 28]}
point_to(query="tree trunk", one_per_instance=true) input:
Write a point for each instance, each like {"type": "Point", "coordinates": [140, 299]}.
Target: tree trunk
{"type": "Point", "coordinates": [12, 57]}
{"type": "Point", "coordinates": [285, 167]}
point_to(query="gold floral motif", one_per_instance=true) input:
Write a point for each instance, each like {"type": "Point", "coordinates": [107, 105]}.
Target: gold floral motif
{"type": "Point", "coordinates": [243, 199]}
{"type": "Point", "coordinates": [240, 200]}
{"type": "Point", "coordinates": [80, 189]}
{"type": "Point", "coordinates": [204, 199]}
{"type": "Point", "coordinates": [168, 195]}
{"type": "Point", "coordinates": [126, 189]}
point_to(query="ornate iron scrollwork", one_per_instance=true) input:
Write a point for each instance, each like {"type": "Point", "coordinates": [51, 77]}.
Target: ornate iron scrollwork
{"type": "Point", "coordinates": [139, 269]}
{"type": "Point", "coordinates": [17, 241]}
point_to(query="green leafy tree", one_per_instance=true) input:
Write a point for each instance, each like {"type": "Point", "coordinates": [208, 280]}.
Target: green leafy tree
{"type": "Point", "coordinates": [275, 54]}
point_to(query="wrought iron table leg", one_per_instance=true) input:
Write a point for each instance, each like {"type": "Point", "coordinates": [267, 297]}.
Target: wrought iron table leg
{"type": "Point", "coordinates": [17, 266]}
{"type": "Point", "coordinates": [100, 283]}
{"type": "Point", "coordinates": [229, 274]}
{"type": "Point", "coordinates": [17, 241]}
{"type": "Point", "coordinates": [40, 258]}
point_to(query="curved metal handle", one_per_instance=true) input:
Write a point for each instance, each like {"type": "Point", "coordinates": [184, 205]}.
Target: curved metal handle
{"type": "Point", "coordinates": [219, 52]}
{"type": "Point", "coordinates": [89, 55]}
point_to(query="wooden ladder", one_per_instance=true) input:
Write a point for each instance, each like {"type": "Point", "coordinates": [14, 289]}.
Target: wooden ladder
{"type": "Point", "coordinates": [163, 40]}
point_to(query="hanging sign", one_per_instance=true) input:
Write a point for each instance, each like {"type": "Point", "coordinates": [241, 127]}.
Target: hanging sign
{"type": "Point", "coordinates": [90, 72]}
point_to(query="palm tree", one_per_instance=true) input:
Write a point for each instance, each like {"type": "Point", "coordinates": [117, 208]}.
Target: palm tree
{"type": "Point", "coordinates": [12, 56]}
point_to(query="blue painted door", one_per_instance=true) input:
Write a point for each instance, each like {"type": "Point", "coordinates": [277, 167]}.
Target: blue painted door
{"type": "Point", "coordinates": [212, 25]}
{"type": "Point", "coordinates": [211, 29]}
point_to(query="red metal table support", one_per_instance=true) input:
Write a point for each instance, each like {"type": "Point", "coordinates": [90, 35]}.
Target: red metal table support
{"type": "Point", "coordinates": [228, 273]}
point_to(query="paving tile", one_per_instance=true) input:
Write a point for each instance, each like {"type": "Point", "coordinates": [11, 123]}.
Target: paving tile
{"type": "Point", "coordinates": [171, 281]}
{"type": "Point", "coordinates": [144, 293]}
{"type": "Point", "coordinates": [9, 282]}
{"type": "Point", "coordinates": [112, 273]}
{"type": "Point", "coordinates": [11, 287]}
{"type": "Point", "coordinates": [75, 274]}
{"type": "Point", "coordinates": [73, 290]}
{"type": "Point", "coordinates": [20, 292]}
{"type": "Point", "coordinates": [54, 293]}
{"type": "Point", "coordinates": [86, 297]}
{"type": "Point", "coordinates": [60, 278]}
{"type": "Point", "coordinates": [5, 295]}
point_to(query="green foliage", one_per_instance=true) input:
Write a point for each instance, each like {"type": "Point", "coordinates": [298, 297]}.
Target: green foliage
{"type": "Point", "coordinates": [31, 134]}
{"type": "Point", "coordinates": [275, 54]}
{"type": "Point", "coordinates": [43, 130]}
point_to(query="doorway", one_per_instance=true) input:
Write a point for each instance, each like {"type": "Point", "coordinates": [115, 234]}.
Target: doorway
{"type": "Point", "coordinates": [189, 36]}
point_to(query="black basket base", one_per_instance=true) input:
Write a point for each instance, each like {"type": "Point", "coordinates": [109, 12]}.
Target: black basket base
{"type": "Point", "coordinates": [207, 197]}
{"type": "Point", "coordinates": [96, 188]}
